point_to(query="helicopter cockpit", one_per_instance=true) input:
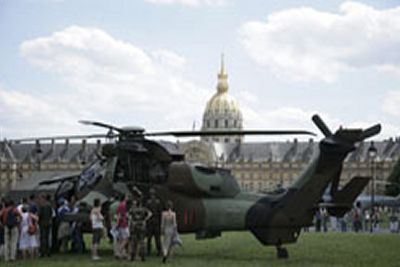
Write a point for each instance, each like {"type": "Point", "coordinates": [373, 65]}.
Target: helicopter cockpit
{"type": "Point", "coordinates": [139, 170]}
{"type": "Point", "coordinates": [143, 163]}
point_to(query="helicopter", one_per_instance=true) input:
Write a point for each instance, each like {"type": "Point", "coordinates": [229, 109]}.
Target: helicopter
{"type": "Point", "coordinates": [208, 200]}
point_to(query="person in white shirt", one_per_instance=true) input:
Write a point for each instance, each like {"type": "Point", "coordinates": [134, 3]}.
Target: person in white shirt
{"type": "Point", "coordinates": [97, 220]}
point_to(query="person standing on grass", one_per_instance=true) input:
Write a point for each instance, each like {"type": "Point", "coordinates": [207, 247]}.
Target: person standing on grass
{"type": "Point", "coordinates": [112, 213]}
{"type": "Point", "coordinates": [64, 230]}
{"type": "Point", "coordinates": [318, 220]}
{"type": "Point", "coordinates": [168, 229]}
{"type": "Point", "coordinates": [97, 220]}
{"type": "Point", "coordinates": [2, 207]}
{"type": "Point", "coordinates": [123, 227]}
{"type": "Point", "coordinates": [78, 243]}
{"type": "Point", "coordinates": [393, 221]}
{"type": "Point", "coordinates": [325, 218]}
{"type": "Point", "coordinates": [10, 218]}
{"type": "Point", "coordinates": [138, 216]}
{"type": "Point", "coordinates": [375, 220]}
{"type": "Point", "coordinates": [154, 224]}
{"type": "Point", "coordinates": [28, 242]}
{"type": "Point", "coordinates": [45, 214]}
{"type": "Point", "coordinates": [357, 218]}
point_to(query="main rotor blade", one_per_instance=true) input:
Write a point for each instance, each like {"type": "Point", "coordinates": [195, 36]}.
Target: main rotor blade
{"type": "Point", "coordinates": [60, 178]}
{"type": "Point", "coordinates": [371, 131]}
{"type": "Point", "coordinates": [50, 138]}
{"type": "Point", "coordinates": [321, 125]}
{"type": "Point", "coordinates": [101, 124]}
{"type": "Point", "coordinates": [233, 132]}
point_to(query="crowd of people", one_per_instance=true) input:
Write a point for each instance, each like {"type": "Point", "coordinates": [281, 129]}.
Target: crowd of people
{"type": "Point", "coordinates": [358, 220]}
{"type": "Point", "coordinates": [38, 226]}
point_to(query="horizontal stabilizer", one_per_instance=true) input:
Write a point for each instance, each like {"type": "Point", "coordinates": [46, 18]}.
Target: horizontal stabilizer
{"type": "Point", "coordinates": [342, 201]}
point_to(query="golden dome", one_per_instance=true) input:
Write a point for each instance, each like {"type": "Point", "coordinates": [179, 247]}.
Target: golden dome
{"type": "Point", "coordinates": [222, 113]}
{"type": "Point", "coordinates": [221, 101]}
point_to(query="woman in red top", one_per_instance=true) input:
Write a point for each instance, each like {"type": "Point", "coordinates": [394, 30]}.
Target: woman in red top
{"type": "Point", "coordinates": [123, 227]}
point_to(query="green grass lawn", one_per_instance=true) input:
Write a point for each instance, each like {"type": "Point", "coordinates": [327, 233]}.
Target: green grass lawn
{"type": "Point", "coordinates": [242, 249]}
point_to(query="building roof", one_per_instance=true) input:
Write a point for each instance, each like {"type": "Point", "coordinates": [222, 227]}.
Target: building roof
{"type": "Point", "coordinates": [289, 151]}
{"type": "Point", "coordinates": [296, 151]}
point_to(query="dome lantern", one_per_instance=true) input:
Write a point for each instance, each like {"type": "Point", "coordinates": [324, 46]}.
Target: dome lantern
{"type": "Point", "coordinates": [222, 112]}
{"type": "Point", "coordinates": [222, 85]}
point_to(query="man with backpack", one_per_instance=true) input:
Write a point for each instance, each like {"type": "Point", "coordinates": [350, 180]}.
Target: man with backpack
{"type": "Point", "coordinates": [10, 218]}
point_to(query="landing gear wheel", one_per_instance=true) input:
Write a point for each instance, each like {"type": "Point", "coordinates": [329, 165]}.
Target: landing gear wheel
{"type": "Point", "coordinates": [282, 253]}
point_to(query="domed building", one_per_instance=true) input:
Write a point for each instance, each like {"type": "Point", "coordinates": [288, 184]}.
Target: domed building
{"type": "Point", "coordinates": [222, 113]}
{"type": "Point", "coordinates": [257, 166]}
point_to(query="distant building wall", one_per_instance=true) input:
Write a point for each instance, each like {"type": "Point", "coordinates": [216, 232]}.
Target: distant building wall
{"type": "Point", "coordinates": [278, 164]}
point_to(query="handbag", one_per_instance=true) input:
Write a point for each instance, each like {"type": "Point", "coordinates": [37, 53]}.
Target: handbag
{"type": "Point", "coordinates": [32, 228]}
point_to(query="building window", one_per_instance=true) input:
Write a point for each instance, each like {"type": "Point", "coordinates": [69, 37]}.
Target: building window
{"type": "Point", "coordinates": [216, 124]}
{"type": "Point", "coordinates": [234, 123]}
{"type": "Point", "coordinates": [226, 140]}
{"type": "Point", "coordinates": [208, 123]}
{"type": "Point", "coordinates": [226, 124]}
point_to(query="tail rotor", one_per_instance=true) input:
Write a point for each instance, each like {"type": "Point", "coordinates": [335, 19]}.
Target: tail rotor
{"type": "Point", "coordinates": [352, 135]}
{"type": "Point", "coordinates": [371, 131]}
{"type": "Point", "coordinates": [321, 125]}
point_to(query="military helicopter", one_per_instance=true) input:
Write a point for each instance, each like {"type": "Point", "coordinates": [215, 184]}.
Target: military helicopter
{"type": "Point", "coordinates": [208, 200]}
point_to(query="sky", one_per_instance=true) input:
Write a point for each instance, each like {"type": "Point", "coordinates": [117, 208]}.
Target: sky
{"type": "Point", "coordinates": [154, 63]}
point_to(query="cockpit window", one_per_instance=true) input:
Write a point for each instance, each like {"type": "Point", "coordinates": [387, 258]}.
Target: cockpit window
{"type": "Point", "coordinates": [206, 170]}
{"type": "Point", "coordinates": [141, 170]}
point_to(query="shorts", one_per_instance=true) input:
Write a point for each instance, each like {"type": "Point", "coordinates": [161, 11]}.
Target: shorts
{"type": "Point", "coordinates": [123, 233]}
{"type": "Point", "coordinates": [97, 235]}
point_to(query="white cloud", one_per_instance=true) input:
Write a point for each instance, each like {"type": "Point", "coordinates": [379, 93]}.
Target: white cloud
{"type": "Point", "coordinates": [294, 118]}
{"type": "Point", "coordinates": [306, 44]}
{"type": "Point", "coordinates": [121, 83]}
{"type": "Point", "coordinates": [190, 3]}
{"type": "Point", "coordinates": [169, 59]}
{"type": "Point", "coordinates": [29, 115]}
{"type": "Point", "coordinates": [108, 79]}
{"type": "Point", "coordinates": [78, 51]}
{"type": "Point", "coordinates": [283, 118]}
{"type": "Point", "coordinates": [389, 130]}
{"type": "Point", "coordinates": [247, 96]}
{"type": "Point", "coordinates": [391, 103]}
{"type": "Point", "coordinates": [276, 118]}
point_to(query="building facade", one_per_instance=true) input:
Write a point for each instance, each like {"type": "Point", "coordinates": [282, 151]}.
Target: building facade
{"type": "Point", "coordinates": [260, 166]}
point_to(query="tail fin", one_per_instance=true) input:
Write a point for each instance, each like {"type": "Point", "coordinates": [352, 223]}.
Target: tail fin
{"type": "Point", "coordinates": [342, 201]}
{"type": "Point", "coordinates": [275, 220]}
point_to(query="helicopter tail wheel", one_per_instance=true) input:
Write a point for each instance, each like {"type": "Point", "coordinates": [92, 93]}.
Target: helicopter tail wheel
{"type": "Point", "coordinates": [282, 253]}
